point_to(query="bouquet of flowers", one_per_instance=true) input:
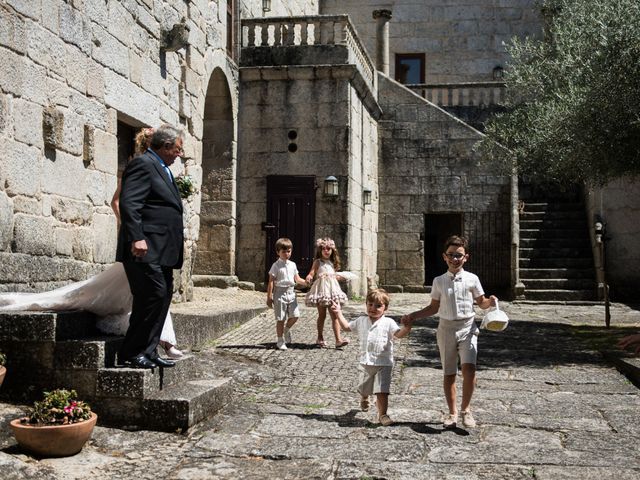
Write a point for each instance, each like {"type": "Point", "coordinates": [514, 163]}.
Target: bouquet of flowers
{"type": "Point", "coordinates": [186, 185]}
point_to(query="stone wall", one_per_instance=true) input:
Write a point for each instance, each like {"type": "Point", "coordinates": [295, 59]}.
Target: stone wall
{"type": "Point", "coordinates": [462, 39]}
{"type": "Point", "coordinates": [361, 246]}
{"type": "Point", "coordinates": [279, 8]}
{"type": "Point", "coordinates": [319, 103]}
{"type": "Point", "coordinates": [618, 206]}
{"type": "Point", "coordinates": [71, 71]}
{"type": "Point", "coordinates": [428, 165]}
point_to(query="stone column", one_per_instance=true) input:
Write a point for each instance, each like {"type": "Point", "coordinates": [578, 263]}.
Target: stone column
{"type": "Point", "coordinates": [382, 18]}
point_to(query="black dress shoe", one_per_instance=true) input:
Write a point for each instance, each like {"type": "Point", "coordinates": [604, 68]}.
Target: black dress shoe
{"type": "Point", "coordinates": [161, 362]}
{"type": "Point", "coordinates": [141, 362]}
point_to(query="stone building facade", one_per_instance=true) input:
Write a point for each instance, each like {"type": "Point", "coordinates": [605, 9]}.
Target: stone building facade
{"type": "Point", "coordinates": [279, 101]}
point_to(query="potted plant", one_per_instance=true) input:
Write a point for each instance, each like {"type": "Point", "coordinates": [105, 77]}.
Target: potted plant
{"type": "Point", "coordinates": [57, 426]}
{"type": "Point", "coordinates": [3, 369]}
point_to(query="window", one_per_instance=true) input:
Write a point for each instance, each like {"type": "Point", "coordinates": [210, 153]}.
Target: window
{"type": "Point", "coordinates": [410, 68]}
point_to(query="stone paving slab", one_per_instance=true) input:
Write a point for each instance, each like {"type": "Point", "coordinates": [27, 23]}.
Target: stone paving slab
{"type": "Point", "coordinates": [547, 404]}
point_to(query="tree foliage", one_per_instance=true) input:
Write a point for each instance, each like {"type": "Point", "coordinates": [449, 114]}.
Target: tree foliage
{"type": "Point", "coordinates": [573, 97]}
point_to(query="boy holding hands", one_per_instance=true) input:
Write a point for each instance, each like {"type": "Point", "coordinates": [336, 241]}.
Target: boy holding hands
{"type": "Point", "coordinates": [452, 297]}
{"type": "Point", "coordinates": [283, 276]}
{"type": "Point", "coordinates": [376, 333]}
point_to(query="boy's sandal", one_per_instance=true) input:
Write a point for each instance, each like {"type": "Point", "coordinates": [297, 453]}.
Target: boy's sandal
{"type": "Point", "coordinates": [385, 421]}
{"type": "Point", "coordinates": [342, 343]}
{"type": "Point", "coordinates": [321, 343]}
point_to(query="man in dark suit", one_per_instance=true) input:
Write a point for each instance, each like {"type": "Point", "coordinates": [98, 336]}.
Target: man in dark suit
{"type": "Point", "coordinates": [150, 244]}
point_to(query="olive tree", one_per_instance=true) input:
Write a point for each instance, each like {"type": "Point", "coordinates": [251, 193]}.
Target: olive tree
{"type": "Point", "coordinates": [573, 97]}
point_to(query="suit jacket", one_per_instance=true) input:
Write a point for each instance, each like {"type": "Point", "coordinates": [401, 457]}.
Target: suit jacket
{"type": "Point", "coordinates": [151, 210]}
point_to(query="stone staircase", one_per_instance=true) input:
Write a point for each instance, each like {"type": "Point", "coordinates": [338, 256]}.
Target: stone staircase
{"type": "Point", "coordinates": [556, 261]}
{"type": "Point", "coordinates": [63, 350]}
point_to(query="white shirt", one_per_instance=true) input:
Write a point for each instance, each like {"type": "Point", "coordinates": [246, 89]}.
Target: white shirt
{"type": "Point", "coordinates": [456, 294]}
{"type": "Point", "coordinates": [284, 273]}
{"type": "Point", "coordinates": [376, 339]}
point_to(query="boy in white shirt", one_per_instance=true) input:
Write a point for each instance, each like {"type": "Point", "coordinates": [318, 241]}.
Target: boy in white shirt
{"type": "Point", "coordinates": [452, 298]}
{"type": "Point", "coordinates": [283, 276]}
{"type": "Point", "coordinates": [376, 333]}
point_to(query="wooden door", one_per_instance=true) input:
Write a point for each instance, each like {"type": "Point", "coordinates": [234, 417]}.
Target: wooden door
{"type": "Point", "coordinates": [291, 203]}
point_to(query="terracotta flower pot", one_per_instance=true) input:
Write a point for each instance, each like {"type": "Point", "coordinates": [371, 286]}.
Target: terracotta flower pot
{"type": "Point", "coordinates": [3, 372]}
{"type": "Point", "coordinates": [53, 440]}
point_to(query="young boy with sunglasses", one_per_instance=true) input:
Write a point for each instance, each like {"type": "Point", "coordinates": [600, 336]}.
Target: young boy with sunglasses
{"type": "Point", "coordinates": [452, 297]}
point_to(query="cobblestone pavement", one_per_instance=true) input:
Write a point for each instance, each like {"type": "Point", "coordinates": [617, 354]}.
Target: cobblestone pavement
{"type": "Point", "coordinates": [547, 405]}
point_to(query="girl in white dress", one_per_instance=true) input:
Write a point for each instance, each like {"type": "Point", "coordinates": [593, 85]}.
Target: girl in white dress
{"type": "Point", "coordinates": [326, 289]}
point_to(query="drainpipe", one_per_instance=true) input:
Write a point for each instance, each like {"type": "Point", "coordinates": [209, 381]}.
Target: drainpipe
{"type": "Point", "coordinates": [382, 18]}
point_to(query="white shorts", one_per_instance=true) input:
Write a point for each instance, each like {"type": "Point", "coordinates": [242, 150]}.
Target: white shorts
{"type": "Point", "coordinates": [457, 338]}
{"type": "Point", "coordinates": [285, 304]}
{"type": "Point", "coordinates": [374, 379]}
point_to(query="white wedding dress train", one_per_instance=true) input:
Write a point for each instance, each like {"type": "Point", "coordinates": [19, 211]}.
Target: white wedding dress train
{"type": "Point", "coordinates": [107, 295]}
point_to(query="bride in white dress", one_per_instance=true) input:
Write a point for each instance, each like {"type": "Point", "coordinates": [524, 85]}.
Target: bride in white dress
{"type": "Point", "coordinates": [107, 294]}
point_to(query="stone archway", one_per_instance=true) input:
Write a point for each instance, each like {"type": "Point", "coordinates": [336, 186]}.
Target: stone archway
{"type": "Point", "coordinates": [216, 243]}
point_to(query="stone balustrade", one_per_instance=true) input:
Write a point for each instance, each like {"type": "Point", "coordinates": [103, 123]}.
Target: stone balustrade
{"type": "Point", "coordinates": [316, 30]}
{"type": "Point", "coordinates": [462, 94]}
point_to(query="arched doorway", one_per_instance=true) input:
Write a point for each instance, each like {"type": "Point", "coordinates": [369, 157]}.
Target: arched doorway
{"type": "Point", "coordinates": [216, 243]}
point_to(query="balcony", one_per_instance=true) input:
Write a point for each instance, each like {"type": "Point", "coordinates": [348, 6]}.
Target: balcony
{"type": "Point", "coordinates": [309, 40]}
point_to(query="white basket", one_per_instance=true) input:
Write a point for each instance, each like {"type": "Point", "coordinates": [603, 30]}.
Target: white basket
{"type": "Point", "coordinates": [495, 320]}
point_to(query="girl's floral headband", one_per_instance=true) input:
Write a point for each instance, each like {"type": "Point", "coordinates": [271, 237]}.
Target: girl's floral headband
{"type": "Point", "coordinates": [325, 242]}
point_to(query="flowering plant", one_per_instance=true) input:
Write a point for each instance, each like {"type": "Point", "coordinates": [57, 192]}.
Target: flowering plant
{"type": "Point", "coordinates": [186, 185]}
{"type": "Point", "coordinates": [59, 407]}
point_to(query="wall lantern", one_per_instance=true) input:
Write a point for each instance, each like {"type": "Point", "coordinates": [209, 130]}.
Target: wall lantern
{"type": "Point", "coordinates": [498, 73]}
{"type": "Point", "coordinates": [366, 196]}
{"type": "Point", "coordinates": [266, 5]}
{"type": "Point", "coordinates": [331, 186]}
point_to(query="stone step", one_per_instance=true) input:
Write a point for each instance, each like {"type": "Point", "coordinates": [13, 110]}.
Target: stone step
{"type": "Point", "coordinates": [556, 273]}
{"type": "Point", "coordinates": [46, 349]}
{"type": "Point", "coordinates": [559, 294]}
{"type": "Point", "coordinates": [626, 363]}
{"type": "Point", "coordinates": [558, 283]}
{"type": "Point", "coordinates": [541, 262]}
{"type": "Point", "coordinates": [553, 215]}
{"type": "Point", "coordinates": [195, 330]}
{"type": "Point", "coordinates": [581, 242]}
{"type": "Point", "coordinates": [217, 281]}
{"type": "Point", "coordinates": [183, 407]}
{"type": "Point", "coordinates": [174, 408]}
{"type": "Point", "coordinates": [546, 252]}
{"type": "Point", "coordinates": [46, 326]}
{"type": "Point", "coordinates": [555, 233]}
{"type": "Point", "coordinates": [573, 224]}
{"type": "Point", "coordinates": [140, 383]}
{"type": "Point", "coordinates": [553, 207]}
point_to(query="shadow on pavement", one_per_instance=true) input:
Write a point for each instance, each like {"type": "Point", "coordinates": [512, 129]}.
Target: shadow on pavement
{"type": "Point", "coordinates": [523, 343]}
{"type": "Point", "coordinates": [349, 420]}
{"type": "Point", "coordinates": [269, 346]}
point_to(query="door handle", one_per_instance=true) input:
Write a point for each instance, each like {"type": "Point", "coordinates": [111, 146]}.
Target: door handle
{"type": "Point", "coordinates": [267, 227]}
